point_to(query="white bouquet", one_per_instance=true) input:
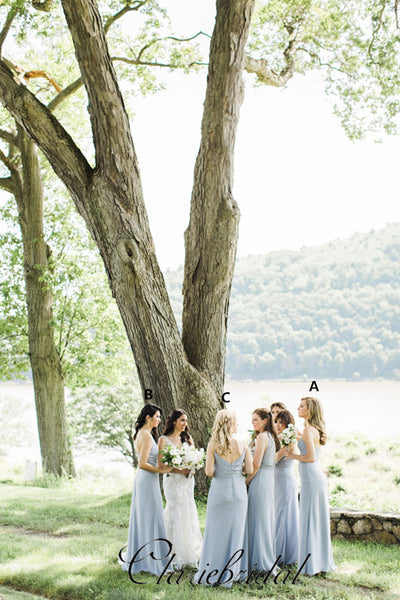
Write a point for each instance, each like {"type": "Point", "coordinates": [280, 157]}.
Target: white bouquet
{"type": "Point", "coordinates": [289, 435]}
{"type": "Point", "coordinates": [192, 458]}
{"type": "Point", "coordinates": [186, 457]}
{"type": "Point", "coordinates": [171, 456]}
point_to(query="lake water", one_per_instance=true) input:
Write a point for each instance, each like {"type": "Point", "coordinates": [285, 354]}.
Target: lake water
{"type": "Point", "coordinates": [369, 408]}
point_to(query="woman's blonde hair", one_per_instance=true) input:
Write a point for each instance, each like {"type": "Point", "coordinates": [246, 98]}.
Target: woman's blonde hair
{"type": "Point", "coordinates": [316, 417]}
{"type": "Point", "coordinates": [222, 430]}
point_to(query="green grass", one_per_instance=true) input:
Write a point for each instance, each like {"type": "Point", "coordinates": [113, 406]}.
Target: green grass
{"type": "Point", "coordinates": [363, 473]}
{"type": "Point", "coordinates": [62, 543]}
{"type": "Point", "coordinates": [10, 594]}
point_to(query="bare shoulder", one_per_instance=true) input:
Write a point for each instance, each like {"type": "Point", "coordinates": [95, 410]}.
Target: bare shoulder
{"type": "Point", "coordinates": [238, 445]}
{"type": "Point", "coordinates": [144, 436]}
{"type": "Point", "coordinates": [262, 438]}
{"type": "Point", "coordinates": [311, 433]}
{"type": "Point", "coordinates": [143, 440]}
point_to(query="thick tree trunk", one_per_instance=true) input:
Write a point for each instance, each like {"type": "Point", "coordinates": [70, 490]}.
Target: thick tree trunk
{"type": "Point", "coordinates": [110, 200]}
{"type": "Point", "coordinates": [211, 238]}
{"type": "Point", "coordinates": [48, 380]}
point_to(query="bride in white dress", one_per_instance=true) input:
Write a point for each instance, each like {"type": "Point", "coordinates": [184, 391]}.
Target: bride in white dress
{"type": "Point", "coordinates": [180, 514]}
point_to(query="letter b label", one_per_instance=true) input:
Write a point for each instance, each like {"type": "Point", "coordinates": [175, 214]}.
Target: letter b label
{"type": "Point", "coordinates": [148, 394]}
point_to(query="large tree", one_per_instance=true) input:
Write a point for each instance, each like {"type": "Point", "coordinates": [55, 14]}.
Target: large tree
{"type": "Point", "coordinates": [186, 371]}
{"type": "Point", "coordinates": [52, 334]}
{"type": "Point", "coordinates": [25, 183]}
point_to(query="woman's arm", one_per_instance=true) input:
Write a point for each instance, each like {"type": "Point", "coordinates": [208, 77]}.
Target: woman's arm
{"type": "Point", "coordinates": [210, 460]}
{"type": "Point", "coordinates": [144, 452]}
{"type": "Point", "coordinates": [308, 438]}
{"type": "Point", "coordinates": [284, 450]}
{"type": "Point", "coordinates": [248, 461]}
{"type": "Point", "coordinates": [281, 452]}
{"type": "Point", "coordinates": [162, 442]}
{"type": "Point", "coordinates": [260, 448]}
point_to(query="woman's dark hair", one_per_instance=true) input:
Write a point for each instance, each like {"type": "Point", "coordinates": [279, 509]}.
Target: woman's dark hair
{"type": "Point", "coordinates": [264, 413]}
{"type": "Point", "coordinates": [169, 425]}
{"type": "Point", "coordinates": [147, 410]}
{"type": "Point", "coordinates": [285, 417]}
{"type": "Point", "coordinates": [278, 405]}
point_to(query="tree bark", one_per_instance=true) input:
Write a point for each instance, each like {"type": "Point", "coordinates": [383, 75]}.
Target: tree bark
{"type": "Point", "coordinates": [110, 199]}
{"type": "Point", "coordinates": [47, 374]}
{"type": "Point", "coordinates": [211, 238]}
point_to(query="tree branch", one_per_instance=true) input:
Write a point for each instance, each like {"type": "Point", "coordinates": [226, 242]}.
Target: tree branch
{"type": "Point", "coordinates": [132, 61]}
{"type": "Point", "coordinates": [106, 108]}
{"type": "Point", "coordinates": [64, 342]}
{"type": "Point", "coordinates": [7, 162]}
{"type": "Point", "coordinates": [27, 75]}
{"type": "Point", "coordinates": [75, 85]}
{"type": "Point", "coordinates": [65, 93]}
{"type": "Point", "coordinates": [7, 184]}
{"type": "Point", "coordinates": [45, 130]}
{"type": "Point", "coordinates": [9, 137]}
{"type": "Point", "coordinates": [111, 20]}
{"type": "Point", "coordinates": [7, 25]}
{"type": "Point", "coordinates": [44, 6]}
{"type": "Point", "coordinates": [316, 57]}
{"type": "Point", "coordinates": [376, 29]}
{"type": "Point", "coordinates": [265, 74]}
{"type": "Point", "coordinates": [35, 74]}
{"type": "Point", "coordinates": [169, 37]}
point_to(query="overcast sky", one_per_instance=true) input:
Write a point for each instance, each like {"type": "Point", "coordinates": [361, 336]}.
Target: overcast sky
{"type": "Point", "coordinates": [298, 180]}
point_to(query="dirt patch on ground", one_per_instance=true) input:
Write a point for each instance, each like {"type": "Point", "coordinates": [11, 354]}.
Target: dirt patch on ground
{"type": "Point", "coordinates": [37, 532]}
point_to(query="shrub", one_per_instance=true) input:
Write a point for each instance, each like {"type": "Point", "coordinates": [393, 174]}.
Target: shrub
{"type": "Point", "coordinates": [335, 470]}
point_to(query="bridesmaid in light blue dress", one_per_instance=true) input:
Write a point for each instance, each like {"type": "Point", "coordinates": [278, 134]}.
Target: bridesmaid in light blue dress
{"type": "Point", "coordinates": [261, 513]}
{"type": "Point", "coordinates": [286, 500]}
{"type": "Point", "coordinates": [146, 524]}
{"type": "Point", "coordinates": [315, 540]}
{"type": "Point", "coordinates": [224, 554]}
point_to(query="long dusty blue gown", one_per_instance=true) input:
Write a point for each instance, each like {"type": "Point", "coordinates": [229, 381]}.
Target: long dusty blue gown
{"type": "Point", "coordinates": [315, 534]}
{"type": "Point", "coordinates": [146, 523]}
{"type": "Point", "coordinates": [224, 534]}
{"type": "Point", "coordinates": [261, 513]}
{"type": "Point", "coordinates": [286, 512]}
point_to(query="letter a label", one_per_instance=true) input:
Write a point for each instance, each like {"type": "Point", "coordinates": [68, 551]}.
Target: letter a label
{"type": "Point", "coordinates": [314, 387]}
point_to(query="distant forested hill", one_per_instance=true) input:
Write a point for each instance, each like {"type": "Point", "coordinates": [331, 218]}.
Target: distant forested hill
{"type": "Point", "coordinates": [323, 311]}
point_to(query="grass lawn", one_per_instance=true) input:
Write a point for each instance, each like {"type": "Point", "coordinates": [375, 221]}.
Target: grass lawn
{"type": "Point", "coordinates": [7, 593]}
{"type": "Point", "coordinates": [63, 542]}
{"type": "Point", "coordinates": [363, 474]}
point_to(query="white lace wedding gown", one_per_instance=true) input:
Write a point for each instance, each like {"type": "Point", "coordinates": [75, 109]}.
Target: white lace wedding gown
{"type": "Point", "coordinates": [181, 520]}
